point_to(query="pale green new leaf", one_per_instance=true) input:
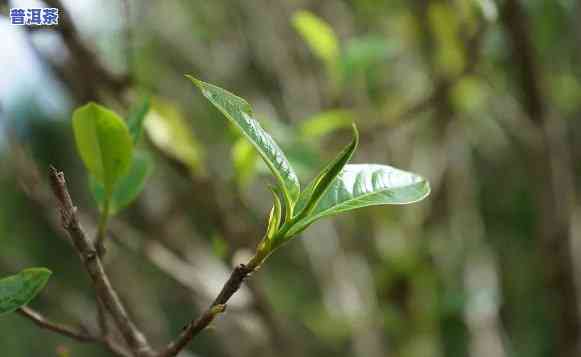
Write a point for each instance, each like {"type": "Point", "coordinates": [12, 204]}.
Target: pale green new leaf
{"type": "Point", "coordinates": [275, 218]}
{"type": "Point", "coordinates": [312, 194]}
{"type": "Point", "coordinates": [239, 112]}
{"type": "Point", "coordinates": [18, 290]}
{"type": "Point", "coordinates": [103, 142]}
{"type": "Point", "coordinates": [128, 187]}
{"type": "Point", "coordinates": [363, 185]}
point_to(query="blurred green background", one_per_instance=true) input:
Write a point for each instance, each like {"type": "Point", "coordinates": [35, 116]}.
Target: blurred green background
{"type": "Point", "coordinates": [481, 97]}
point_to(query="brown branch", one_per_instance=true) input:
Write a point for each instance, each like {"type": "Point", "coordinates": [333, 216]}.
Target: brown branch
{"type": "Point", "coordinates": [94, 266]}
{"type": "Point", "coordinates": [233, 284]}
{"type": "Point", "coordinates": [43, 322]}
{"type": "Point", "coordinates": [102, 319]}
{"type": "Point", "coordinates": [441, 89]}
{"type": "Point", "coordinates": [79, 335]}
{"type": "Point", "coordinates": [517, 27]}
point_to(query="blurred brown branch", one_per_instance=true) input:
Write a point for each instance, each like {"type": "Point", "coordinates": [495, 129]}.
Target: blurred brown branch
{"type": "Point", "coordinates": [43, 322]}
{"type": "Point", "coordinates": [554, 202]}
{"type": "Point", "coordinates": [87, 76]}
{"type": "Point", "coordinates": [79, 335]}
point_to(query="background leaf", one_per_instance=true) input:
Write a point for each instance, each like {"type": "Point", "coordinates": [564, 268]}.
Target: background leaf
{"type": "Point", "coordinates": [325, 122]}
{"type": "Point", "coordinates": [128, 187]}
{"type": "Point", "coordinates": [168, 129]}
{"type": "Point", "coordinates": [318, 35]}
{"type": "Point", "coordinates": [103, 142]}
{"type": "Point", "coordinates": [18, 290]}
{"type": "Point", "coordinates": [240, 113]}
{"type": "Point", "coordinates": [363, 185]}
{"type": "Point", "coordinates": [361, 54]}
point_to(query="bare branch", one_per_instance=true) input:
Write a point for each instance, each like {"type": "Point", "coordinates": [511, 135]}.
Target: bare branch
{"type": "Point", "coordinates": [233, 284]}
{"type": "Point", "coordinates": [102, 319]}
{"type": "Point", "coordinates": [43, 322]}
{"type": "Point", "coordinates": [84, 246]}
{"type": "Point", "coordinates": [80, 335]}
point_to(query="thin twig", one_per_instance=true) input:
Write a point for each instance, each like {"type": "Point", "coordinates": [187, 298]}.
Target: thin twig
{"type": "Point", "coordinates": [84, 246]}
{"type": "Point", "coordinates": [30, 176]}
{"type": "Point", "coordinates": [79, 335]}
{"type": "Point", "coordinates": [43, 322]}
{"type": "Point", "coordinates": [233, 284]}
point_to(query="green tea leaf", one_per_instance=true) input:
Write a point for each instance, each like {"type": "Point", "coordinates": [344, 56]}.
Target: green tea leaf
{"type": "Point", "coordinates": [128, 187]}
{"type": "Point", "coordinates": [18, 290]}
{"type": "Point", "coordinates": [275, 218]}
{"type": "Point", "coordinates": [365, 185]}
{"type": "Point", "coordinates": [170, 132]}
{"type": "Point", "coordinates": [318, 35]}
{"type": "Point", "coordinates": [310, 196]}
{"type": "Point", "coordinates": [103, 142]}
{"type": "Point", "coordinates": [136, 118]}
{"type": "Point", "coordinates": [239, 112]}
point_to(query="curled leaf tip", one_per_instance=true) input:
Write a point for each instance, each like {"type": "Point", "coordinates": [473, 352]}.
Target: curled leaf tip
{"type": "Point", "coordinates": [196, 81]}
{"type": "Point", "coordinates": [355, 136]}
{"type": "Point", "coordinates": [355, 130]}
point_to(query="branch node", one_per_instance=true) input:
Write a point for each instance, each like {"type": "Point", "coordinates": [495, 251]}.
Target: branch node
{"type": "Point", "coordinates": [90, 255]}
{"type": "Point", "coordinates": [218, 309]}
